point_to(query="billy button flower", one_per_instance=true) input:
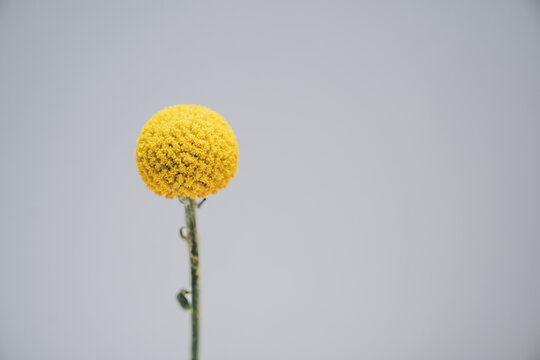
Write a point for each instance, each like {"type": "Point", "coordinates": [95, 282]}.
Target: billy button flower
{"type": "Point", "coordinates": [189, 152]}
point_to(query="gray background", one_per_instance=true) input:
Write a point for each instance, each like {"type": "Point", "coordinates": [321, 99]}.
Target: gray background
{"type": "Point", "coordinates": [386, 204]}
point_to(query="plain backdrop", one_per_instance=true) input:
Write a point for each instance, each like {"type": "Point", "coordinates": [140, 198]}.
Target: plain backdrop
{"type": "Point", "coordinates": [386, 204]}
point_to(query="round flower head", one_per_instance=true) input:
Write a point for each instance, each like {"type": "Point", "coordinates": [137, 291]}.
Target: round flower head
{"type": "Point", "coordinates": [186, 150]}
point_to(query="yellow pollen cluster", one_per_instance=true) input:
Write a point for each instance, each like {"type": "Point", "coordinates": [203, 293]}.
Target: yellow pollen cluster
{"type": "Point", "coordinates": [186, 150]}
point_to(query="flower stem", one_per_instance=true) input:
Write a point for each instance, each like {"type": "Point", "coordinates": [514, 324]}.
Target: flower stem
{"type": "Point", "coordinates": [193, 242]}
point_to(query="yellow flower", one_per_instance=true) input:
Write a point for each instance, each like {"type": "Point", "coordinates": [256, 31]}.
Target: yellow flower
{"type": "Point", "coordinates": [186, 150]}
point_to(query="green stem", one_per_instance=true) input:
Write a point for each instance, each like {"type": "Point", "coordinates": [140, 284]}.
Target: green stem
{"type": "Point", "coordinates": [193, 242]}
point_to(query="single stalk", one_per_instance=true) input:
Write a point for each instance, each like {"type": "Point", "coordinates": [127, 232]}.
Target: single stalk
{"type": "Point", "coordinates": [193, 243]}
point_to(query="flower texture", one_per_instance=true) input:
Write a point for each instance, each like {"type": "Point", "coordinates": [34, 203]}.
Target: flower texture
{"type": "Point", "coordinates": [186, 151]}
